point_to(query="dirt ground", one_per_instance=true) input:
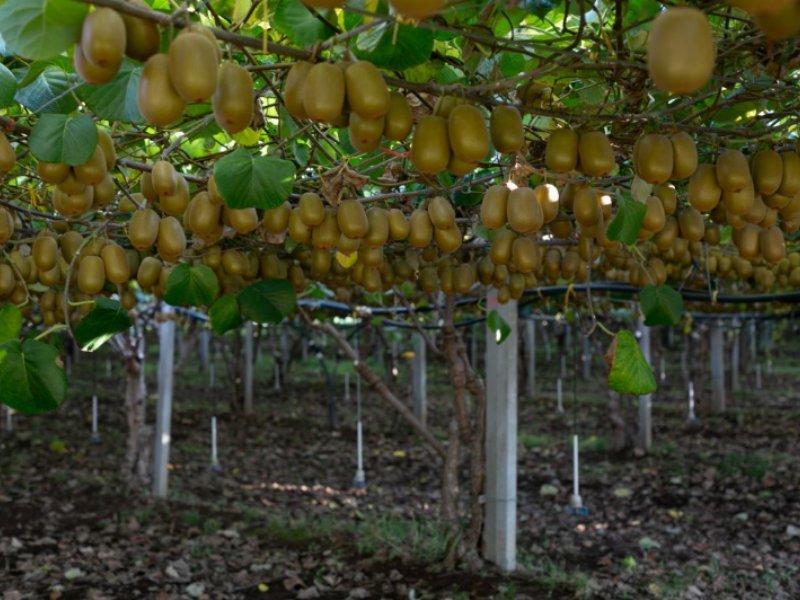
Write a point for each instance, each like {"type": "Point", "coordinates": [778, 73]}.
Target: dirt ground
{"type": "Point", "coordinates": [711, 512]}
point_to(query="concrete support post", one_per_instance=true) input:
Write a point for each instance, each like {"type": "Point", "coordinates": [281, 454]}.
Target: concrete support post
{"type": "Point", "coordinates": [735, 355]}
{"type": "Point", "coordinates": [530, 344]}
{"type": "Point", "coordinates": [166, 360]}
{"type": "Point", "coordinates": [500, 534]}
{"type": "Point", "coordinates": [419, 382]}
{"type": "Point", "coordinates": [586, 357]}
{"type": "Point", "coordinates": [645, 440]}
{"type": "Point", "coordinates": [717, 368]}
{"type": "Point", "coordinates": [203, 348]}
{"type": "Point", "coordinates": [284, 352]}
{"type": "Point", "coordinates": [248, 368]}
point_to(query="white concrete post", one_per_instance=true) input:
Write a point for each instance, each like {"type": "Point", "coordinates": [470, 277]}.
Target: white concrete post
{"type": "Point", "coordinates": [559, 396]}
{"type": "Point", "coordinates": [530, 343]}
{"type": "Point", "coordinates": [645, 402]}
{"type": "Point", "coordinates": [215, 466]}
{"type": "Point", "coordinates": [9, 426]}
{"type": "Point", "coordinates": [419, 379]}
{"type": "Point", "coordinates": [347, 387]}
{"type": "Point", "coordinates": [717, 368]}
{"type": "Point", "coordinates": [692, 417]}
{"type": "Point", "coordinates": [500, 533]}
{"type": "Point", "coordinates": [248, 367]}
{"type": "Point", "coordinates": [735, 353]}
{"type": "Point", "coordinates": [95, 437]}
{"type": "Point", "coordinates": [204, 347]}
{"type": "Point", "coordinates": [166, 359]}
{"type": "Point", "coordinates": [360, 480]}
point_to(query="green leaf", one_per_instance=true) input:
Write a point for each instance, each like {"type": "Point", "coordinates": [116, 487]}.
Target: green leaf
{"type": "Point", "coordinates": [661, 305]}
{"type": "Point", "coordinates": [32, 379]}
{"type": "Point", "coordinates": [8, 86]}
{"type": "Point", "coordinates": [48, 92]}
{"type": "Point", "coordinates": [627, 222]}
{"type": "Point", "coordinates": [498, 326]}
{"type": "Point", "coordinates": [194, 285]}
{"type": "Point", "coordinates": [629, 372]}
{"type": "Point", "coordinates": [39, 29]}
{"type": "Point", "coordinates": [247, 181]}
{"type": "Point", "coordinates": [412, 46]}
{"type": "Point", "coordinates": [116, 100]}
{"type": "Point", "coordinates": [268, 301]}
{"type": "Point", "coordinates": [63, 139]}
{"type": "Point", "coordinates": [224, 314]}
{"type": "Point", "coordinates": [297, 23]}
{"type": "Point", "coordinates": [10, 322]}
{"type": "Point", "coordinates": [107, 319]}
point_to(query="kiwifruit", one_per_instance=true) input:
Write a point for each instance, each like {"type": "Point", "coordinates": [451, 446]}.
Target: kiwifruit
{"type": "Point", "coordinates": [142, 37]}
{"type": "Point", "coordinates": [596, 154]}
{"type": "Point", "coordinates": [193, 66]}
{"type": "Point", "coordinates": [525, 254]}
{"type": "Point", "coordinates": [741, 201]}
{"type": "Point", "coordinates": [94, 170]}
{"type": "Point", "coordinates": [561, 151]}
{"type": "Point", "coordinates": [712, 234]}
{"type": "Point", "coordinates": [417, 9]}
{"type": "Point", "coordinates": [442, 213]}
{"type": "Point", "coordinates": [430, 146]}
{"type": "Point", "coordinates": [469, 137]}
{"type": "Point", "coordinates": [365, 134]}
{"type": "Point", "coordinates": [326, 234]}
{"type": "Point", "coordinates": [398, 225]}
{"type": "Point", "coordinates": [767, 169]}
{"type": "Point", "coordinates": [655, 217]}
{"type": "Point", "coordinates": [781, 24]}
{"type": "Point", "coordinates": [7, 280]}
{"type": "Point", "coordinates": [73, 204]}
{"type": "Point", "coordinates": [352, 218]}
{"type": "Point", "coordinates": [52, 277]}
{"type": "Point", "coordinates": [8, 157]}
{"type": "Point", "coordinates": [233, 98]}
{"type": "Point", "coordinates": [681, 51]}
{"type": "Point", "coordinates": [757, 211]}
{"type": "Point", "coordinates": [548, 198]}
{"type": "Point", "coordinates": [494, 206]}
{"type": "Point", "coordinates": [770, 218]}
{"type": "Point", "coordinates": [653, 158]}
{"type": "Point", "coordinates": [323, 92]}
{"type": "Point", "coordinates": [45, 251]}
{"type": "Point", "coordinates": [459, 168]}
{"type": "Point", "coordinates": [69, 242]}
{"type": "Point", "coordinates": [704, 191]}
{"type": "Point", "coordinates": [103, 38]}
{"type": "Point", "coordinates": [104, 191]}
{"type": "Point", "coordinates": [692, 226]}
{"type": "Point", "coordinates": [92, 73]}
{"type": "Point", "coordinates": [242, 220]}
{"type": "Point", "coordinates": [523, 211]}
{"type": "Point", "coordinates": [116, 264]}
{"type": "Point", "coordinates": [293, 89]}
{"type": "Point", "coordinates": [367, 94]}
{"type": "Point", "coordinates": [371, 257]}
{"type": "Point", "coordinates": [561, 230]}
{"type": "Point", "coordinates": [420, 229]}
{"type": "Point", "coordinates": [347, 245]}
{"type": "Point", "coordinates": [464, 278]}
{"type": "Point", "coordinates": [276, 220]}
{"type": "Point", "coordinates": [52, 172]}
{"type": "Point", "coordinates": [500, 251]}
{"type": "Point", "coordinates": [321, 261]}
{"type": "Point", "coordinates": [449, 240]}
{"type": "Point", "coordinates": [587, 210]}
{"type": "Point", "coordinates": [132, 202]}
{"type": "Point", "coordinates": [171, 239]}
{"type": "Point", "coordinates": [508, 134]}
{"type": "Point", "coordinates": [733, 172]}
{"type": "Point", "coordinates": [299, 232]}
{"type": "Point", "coordinates": [668, 196]}
{"type": "Point", "coordinates": [378, 230]}
{"type": "Point", "coordinates": [759, 8]}
{"type": "Point", "coordinates": [445, 104]}
{"type": "Point", "coordinates": [311, 209]}
{"type": "Point", "coordinates": [164, 178]}
{"type": "Point", "coordinates": [371, 281]}
{"type": "Point", "coordinates": [790, 183]}
{"type": "Point", "coordinates": [202, 215]}
{"type": "Point", "coordinates": [747, 241]}
{"type": "Point", "coordinates": [71, 184]}
{"type": "Point", "coordinates": [552, 264]}
{"type": "Point", "coordinates": [399, 120]}
{"type": "Point", "coordinates": [684, 156]}
{"type": "Point", "coordinates": [156, 96]}
{"type": "Point", "coordinates": [91, 275]}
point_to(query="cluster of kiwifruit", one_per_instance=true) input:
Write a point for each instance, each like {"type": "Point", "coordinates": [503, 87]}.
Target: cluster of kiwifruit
{"type": "Point", "coordinates": [82, 187]}
{"type": "Point", "coordinates": [589, 152]}
{"type": "Point", "coordinates": [412, 9]}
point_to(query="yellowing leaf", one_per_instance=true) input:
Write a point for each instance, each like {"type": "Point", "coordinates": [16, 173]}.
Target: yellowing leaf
{"type": "Point", "coordinates": [399, 454]}
{"type": "Point", "coordinates": [247, 137]}
{"type": "Point", "coordinates": [345, 260]}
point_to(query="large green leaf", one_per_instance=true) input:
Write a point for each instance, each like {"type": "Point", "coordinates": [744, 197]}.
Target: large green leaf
{"type": "Point", "coordinates": [268, 301]}
{"type": "Point", "coordinates": [248, 181]}
{"type": "Point", "coordinates": [8, 86]}
{"type": "Point", "coordinates": [411, 47]}
{"type": "Point", "coordinates": [194, 285]}
{"type": "Point", "coordinates": [224, 314]}
{"type": "Point", "coordinates": [661, 305]}
{"type": "Point", "coordinates": [498, 326]}
{"type": "Point", "coordinates": [32, 379]}
{"type": "Point", "coordinates": [627, 222]}
{"type": "Point", "coordinates": [48, 92]}
{"type": "Point", "coordinates": [629, 372]}
{"type": "Point", "coordinates": [108, 318]}
{"type": "Point", "coordinates": [116, 100]}
{"type": "Point", "coordinates": [297, 23]}
{"type": "Point", "coordinates": [10, 322]}
{"type": "Point", "coordinates": [39, 29]}
{"type": "Point", "coordinates": [69, 139]}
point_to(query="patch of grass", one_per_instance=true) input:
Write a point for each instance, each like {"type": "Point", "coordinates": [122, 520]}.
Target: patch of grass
{"type": "Point", "coordinates": [664, 449]}
{"type": "Point", "coordinates": [555, 577]}
{"type": "Point", "coordinates": [747, 465]}
{"type": "Point", "coordinates": [594, 443]}
{"type": "Point", "coordinates": [211, 526]}
{"type": "Point", "coordinates": [426, 541]}
{"type": "Point", "coordinates": [532, 440]}
{"type": "Point", "coordinates": [674, 585]}
{"type": "Point", "coordinates": [297, 531]}
{"type": "Point", "coordinates": [192, 518]}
